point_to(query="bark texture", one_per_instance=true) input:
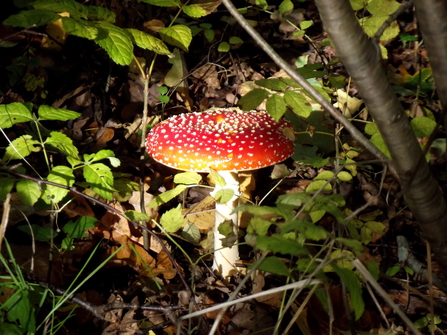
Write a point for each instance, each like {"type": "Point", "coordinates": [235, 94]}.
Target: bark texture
{"type": "Point", "coordinates": [361, 57]}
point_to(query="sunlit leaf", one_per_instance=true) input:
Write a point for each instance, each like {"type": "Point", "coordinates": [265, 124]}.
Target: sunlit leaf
{"type": "Point", "coordinates": [172, 220]}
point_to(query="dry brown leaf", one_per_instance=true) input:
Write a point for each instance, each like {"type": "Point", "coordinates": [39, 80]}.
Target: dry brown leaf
{"type": "Point", "coordinates": [201, 214]}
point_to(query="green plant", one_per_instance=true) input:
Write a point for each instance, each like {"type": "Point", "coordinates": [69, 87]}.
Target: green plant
{"type": "Point", "coordinates": [98, 176]}
{"type": "Point", "coordinates": [426, 322]}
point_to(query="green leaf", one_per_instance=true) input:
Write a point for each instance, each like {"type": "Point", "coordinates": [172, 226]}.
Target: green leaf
{"type": "Point", "coordinates": [218, 179]}
{"type": "Point", "coordinates": [286, 7]}
{"type": "Point", "coordinates": [75, 9]}
{"type": "Point", "coordinates": [316, 186]}
{"type": "Point", "coordinates": [423, 126]}
{"type": "Point", "coordinates": [136, 216]}
{"type": "Point", "coordinates": [358, 4]}
{"type": "Point", "coordinates": [344, 176]}
{"type": "Point", "coordinates": [188, 178]}
{"type": "Point", "coordinates": [259, 210]}
{"type": "Point", "coordinates": [62, 143]}
{"type": "Point", "coordinates": [353, 244]}
{"type": "Point", "coordinates": [317, 215]}
{"type": "Point", "coordinates": [148, 42]}
{"type": "Point", "coordinates": [80, 28]}
{"type": "Point", "coordinates": [274, 265]}
{"type": "Point", "coordinates": [101, 154]}
{"type": "Point", "coordinates": [29, 191]}
{"type": "Point", "coordinates": [20, 148]}
{"type": "Point", "coordinates": [97, 13]}
{"type": "Point", "coordinates": [299, 104]}
{"type": "Point", "coordinates": [281, 244]}
{"type": "Point", "coordinates": [195, 10]}
{"type": "Point", "coordinates": [28, 18]}
{"type": "Point", "coordinates": [272, 84]}
{"type": "Point", "coordinates": [116, 43]}
{"type": "Point", "coordinates": [172, 220]}
{"type": "Point", "coordinates": [377, 140]}
{"type": "Point", "coordinates": [50, 113]}
{"type": "Point", "coordinates": [100, 179]}
{"type": "Point", "coordinates": [224, 195]}
{"type": "Point", "coordinates": [308, 229]}
{"type": "Point", "coordinates": [276, 106]}
{"type": "Point", "coordinates": [166, 196]}
{"type": "Point", "coordinates": [393, 270]}
{"type": "Point", "coordinates": [78, 228]}
{"type": "Point", "coordinates": [226, 229]}
{"type": "Point", "coordinates": [223, 47]}
{"type": "Point", "coordinates": [262, 3]}
{"type": "Point", "coordinates": [373, 23]}
{"type": "Point", "coordinates": [191, 233]}
{"type": "Point", "coordinates": [354, 288]}
{"type": "Point", "coordinates": [40, 234]}
{"type": "Point", "coordinates": [235, 40]}
{"type": "Point", "coordinates": [6, 185]}
{"type": "Point", "coordinates": [179, 36]}
{"type": "Point", "coordinates": [253, 99]}
{"type": "Point", "coordinates": [62, 175]}
{"type": "Point", "coordinates": [382, 7]}
{"type": "Point", "coordinates": [306, 24]}
{"type": "Point", "coordinates": [325, 175]}
{"type": "Point", "coordinates": [258, 226]}
{"type": "Point", "coordinates": [13, 113]}
{"type": "Point", "coordinates": [163, 3]}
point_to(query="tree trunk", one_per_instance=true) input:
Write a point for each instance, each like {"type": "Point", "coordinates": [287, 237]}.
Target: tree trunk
{"type": "Point", "coordinates": [361, 57]}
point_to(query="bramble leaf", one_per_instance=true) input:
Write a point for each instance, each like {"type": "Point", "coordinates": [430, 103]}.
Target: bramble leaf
{"type": "Point", "coordinates": [62, 175]}
{"type": "Point", "coordinates": [172, 220]}
{"type": "Point", "coordinates": [20, 148]}
{"type": "Point", "coordinates": [179, 36]}
{"type": "Point", "coordinates": [13, 113]}
{"type": "Point", "coordinates": [29, 191]}
{"type": "Point", "coordinates": [116, 43]}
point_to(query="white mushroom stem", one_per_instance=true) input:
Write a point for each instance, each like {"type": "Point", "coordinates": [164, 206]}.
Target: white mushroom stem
{"type": "Point", "coordinates": [225, 259]}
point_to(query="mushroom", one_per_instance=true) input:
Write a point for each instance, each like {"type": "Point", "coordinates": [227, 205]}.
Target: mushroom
{"type": "Point", "coordinates": [227, 141]}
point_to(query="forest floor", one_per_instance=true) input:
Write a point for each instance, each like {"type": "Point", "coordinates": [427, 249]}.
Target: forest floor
{"type": "Point", "coordinates": [139, 290]}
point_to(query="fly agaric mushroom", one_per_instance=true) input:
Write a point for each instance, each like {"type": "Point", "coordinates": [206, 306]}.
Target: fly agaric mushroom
{"type": "Point", "coordinates": [225, 140]}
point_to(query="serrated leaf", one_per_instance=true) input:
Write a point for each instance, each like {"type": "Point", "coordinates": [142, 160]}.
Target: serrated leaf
{"type": "Point", "coordinates": [29, 191]}
{"type": "Point", "coordinates": [6, 185]}
{"type": "Point", "coordinates": [359, 4]}
{"type": "Point", "coordinates": [28, 18]}
{"type": "Point", "coordinates": [62, 175]}
{"type": "Point", "coordinates": [62, 143]}
{"type": "Point", "coordinates": [194, 10]}
{"type": "Point", "coordinates": [224, 195]}
{"type": "Point", "coordinates": [191, 232]}
{"type": "Point", "coordinates": [20, 148]}
{"type": "Point", "coordinates": [116, 43]}
{"type": "Point", "coordinates": [344, 176]}
{"type": "Point", "coordinates": [149, 42]}
{"type": "Point", "coordinates": [97, 13]}
{"type": "Point", "coordinates": [281, 244]}
{"type": "Point", "coordinates": [274, 265]}
{"type": "Point", "coordinates": [226, 229]}
{"type": "Point", "coordinates": [101, 154]}
{"type": "Point", "coordinates": [50, 113]}
{"type": "Point", "coordinates": [223, 47]}
{"type": "Point", "coordinates": [136, 216]}
{"type": "Point", "coordinates": [75, 9]}
{"type": "Point", "coordinates": [316, 186]}
{"type": "Point", "coordinates": [188, 178]}
{"type": "Point", "coordinates": [163, 3]}
{"type": "Point", "coordinates": [178, 35]}
{"type": "Point", "coordinates": [276, 106]}
{"type": "Point", "coordinates": [299, 104]}
{"type": "Point", "coordinates": [253, 99]}
{"type": "Point", "coordinates": [373, 23]}
{"type": "Point", "coordinates": [13, 113]}
{"type": "Point", "coordinates": [286, 7]}
{"type": "Point", "coordinates": [80, 28]}
{"type": "Point", "coordinates": [100, 179]}
{"type": "Point", "coordinates": [166, 196]}
{"type": "Point", "coordinates": [354, 289]}
{"type": "Point", "coordinates": [272, 84]}
{"type": "Point", "coordinates": [172, 220]}
{"type": "Point", "coordinates": [423, 126]}
{"type": "Point", "coordinates": [77, 229]}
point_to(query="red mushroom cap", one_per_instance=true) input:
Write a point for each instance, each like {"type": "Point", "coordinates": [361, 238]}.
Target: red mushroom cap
{"type": "Point", "coordinates": [222, 139]}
